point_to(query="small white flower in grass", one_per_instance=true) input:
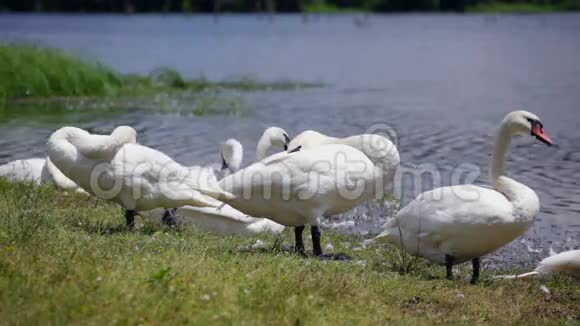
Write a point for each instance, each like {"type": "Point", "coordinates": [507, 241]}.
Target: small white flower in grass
{"type": "Point", "coordinates": [205, 297]}
{"type": "Point", "coordinates": [329, 246]}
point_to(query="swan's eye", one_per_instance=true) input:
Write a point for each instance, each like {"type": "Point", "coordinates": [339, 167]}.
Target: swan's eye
{"type": "Point", "coordinates": [535, 123]}
{"type": "Point", "coordinates": [286, 138]}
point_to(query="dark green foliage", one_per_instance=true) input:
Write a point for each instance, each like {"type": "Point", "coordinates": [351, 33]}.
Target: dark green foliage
{"type": "Point", "coordinates": [279, 5]}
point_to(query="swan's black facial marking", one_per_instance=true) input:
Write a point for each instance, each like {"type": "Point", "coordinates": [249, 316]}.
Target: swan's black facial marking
{"type": "Point", "coordinates": [535, 123]}
{"type": "Point", "coordinates": [224, 163]}
{"type": "Point", "coordinates": [297, 149]}
{"type": "Point", "coordinates": [286, 142]}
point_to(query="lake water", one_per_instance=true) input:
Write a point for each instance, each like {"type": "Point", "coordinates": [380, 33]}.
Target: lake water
{"type": "Point", "coordinates": [442, 83]}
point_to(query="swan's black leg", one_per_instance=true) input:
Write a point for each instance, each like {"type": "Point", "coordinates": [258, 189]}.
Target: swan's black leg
{"type": "Point", "coordinates": [130, 218]}
{"type": "Point", "coordinates": [169, 217]}
{"type": "Point", "coordinates": [475, 275]}
{"type": "Point", "coordinates": [316, 247]}
{"type": "Point", "coordinates": [449, 265]}
{"type": "Point", "coordinates": [299, 244]}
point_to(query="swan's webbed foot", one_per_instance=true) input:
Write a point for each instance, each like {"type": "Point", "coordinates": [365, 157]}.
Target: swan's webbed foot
{"type": "Point", "coordinates": [169, 217]}
{"type": "Point", "coordinates": [449, 266]}
{"type": "Point", "coordinates": [130, 218]}
{"type": "Point", "coordinates": [317, 247]}
{"type": "Point", "coordinates": [476, 267]}
{"type": "Point", "coordinates": [299, 244]}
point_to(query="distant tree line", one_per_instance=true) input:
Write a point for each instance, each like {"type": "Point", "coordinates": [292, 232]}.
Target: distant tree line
{"type": "Point", "coordinates": [250, 5]}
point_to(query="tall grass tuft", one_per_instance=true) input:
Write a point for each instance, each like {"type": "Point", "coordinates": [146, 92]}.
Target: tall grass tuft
{"type": "Point", "coordinates": [33, 71]}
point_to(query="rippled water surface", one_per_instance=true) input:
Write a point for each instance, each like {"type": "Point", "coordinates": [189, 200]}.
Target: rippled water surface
{"type": "Point", "coordinates": [442, 82]}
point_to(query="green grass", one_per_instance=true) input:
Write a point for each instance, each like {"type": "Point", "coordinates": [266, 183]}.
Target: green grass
{"type": "Point", "coordinates": [30, 73]}
{"type": "Point", "coordinates": [69, 259]}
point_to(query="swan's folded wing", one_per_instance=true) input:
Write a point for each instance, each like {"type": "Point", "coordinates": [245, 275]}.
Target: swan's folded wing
{"type": "Point", "coordinates": [452, 219]}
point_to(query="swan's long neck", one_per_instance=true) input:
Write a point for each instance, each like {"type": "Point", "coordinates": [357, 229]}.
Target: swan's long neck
{"type": "Point", "coordinates": [263, 147]}
{"type": "Point", "coordinates": [524, 199]}
{"type": "Point", "coordinates": [236, 160]}
{"type": "Point", "coordinates": [502, 144]}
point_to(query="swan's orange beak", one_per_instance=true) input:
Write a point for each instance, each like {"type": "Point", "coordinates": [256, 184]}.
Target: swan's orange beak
{"type": "Point", "coordinates": [541, 135]}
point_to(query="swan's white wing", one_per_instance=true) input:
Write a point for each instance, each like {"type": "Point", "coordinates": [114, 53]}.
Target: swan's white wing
{"type": "Point", "coordinates": [295, 188]}
{"type": "Point", "coordinates": [161, 182]}
{"type": "Point", "coordinates": [463, 221]}
{"type": "Point", "coordinates": [309, 139]}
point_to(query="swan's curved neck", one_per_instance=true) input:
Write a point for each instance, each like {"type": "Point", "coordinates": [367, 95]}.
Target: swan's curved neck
{"type": "Point", "coordinates": [502, 144]}
{"type": "Point", "coordinates": [517, 193]}
{"type": "Point", "coordinates": [236, 160]}
{"type": "Point", "coordinates": [263, 147]}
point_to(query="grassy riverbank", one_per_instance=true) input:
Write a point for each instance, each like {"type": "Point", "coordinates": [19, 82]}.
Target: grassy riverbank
{"type": "Point", "coordinates": [31, 72]}
{"type": "Point", "coordinates": [69, 259]}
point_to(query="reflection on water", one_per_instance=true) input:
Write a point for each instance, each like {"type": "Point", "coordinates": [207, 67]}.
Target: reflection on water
{"type": "Point", "coordinates": [442, 82]}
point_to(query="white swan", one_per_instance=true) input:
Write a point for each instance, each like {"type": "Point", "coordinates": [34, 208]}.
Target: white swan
{"type": "Point", "coordinates": [115, 168]}
{"type": "Point", "coordinates": [378, 149]}
{"type": "Point", "coordinates": [450, 225]}
{"type": "Point", "coordinates": [225, 220]}
{"type": "Point", "coordinates": [38, 171]}
{"type": "Point", "coordinates": [297, 188]}
{"type": "Point", "coordinates": [567, 262]}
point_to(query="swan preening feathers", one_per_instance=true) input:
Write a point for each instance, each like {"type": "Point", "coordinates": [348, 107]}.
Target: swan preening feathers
{"type": "Point", "coordinates": [317, 176]}
{"type": "Point", "coordinates": [314, 180]}
{"type": "Point", "coordinates": [447, 228]}
{"type": "Point", "coordinates": [326, 176]}
{"type": "Point", "coordinates": [139, 178]}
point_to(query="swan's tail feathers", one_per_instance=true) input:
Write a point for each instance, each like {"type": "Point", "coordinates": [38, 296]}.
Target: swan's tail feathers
{"type": "Point", "coordinates": [518, 276]}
